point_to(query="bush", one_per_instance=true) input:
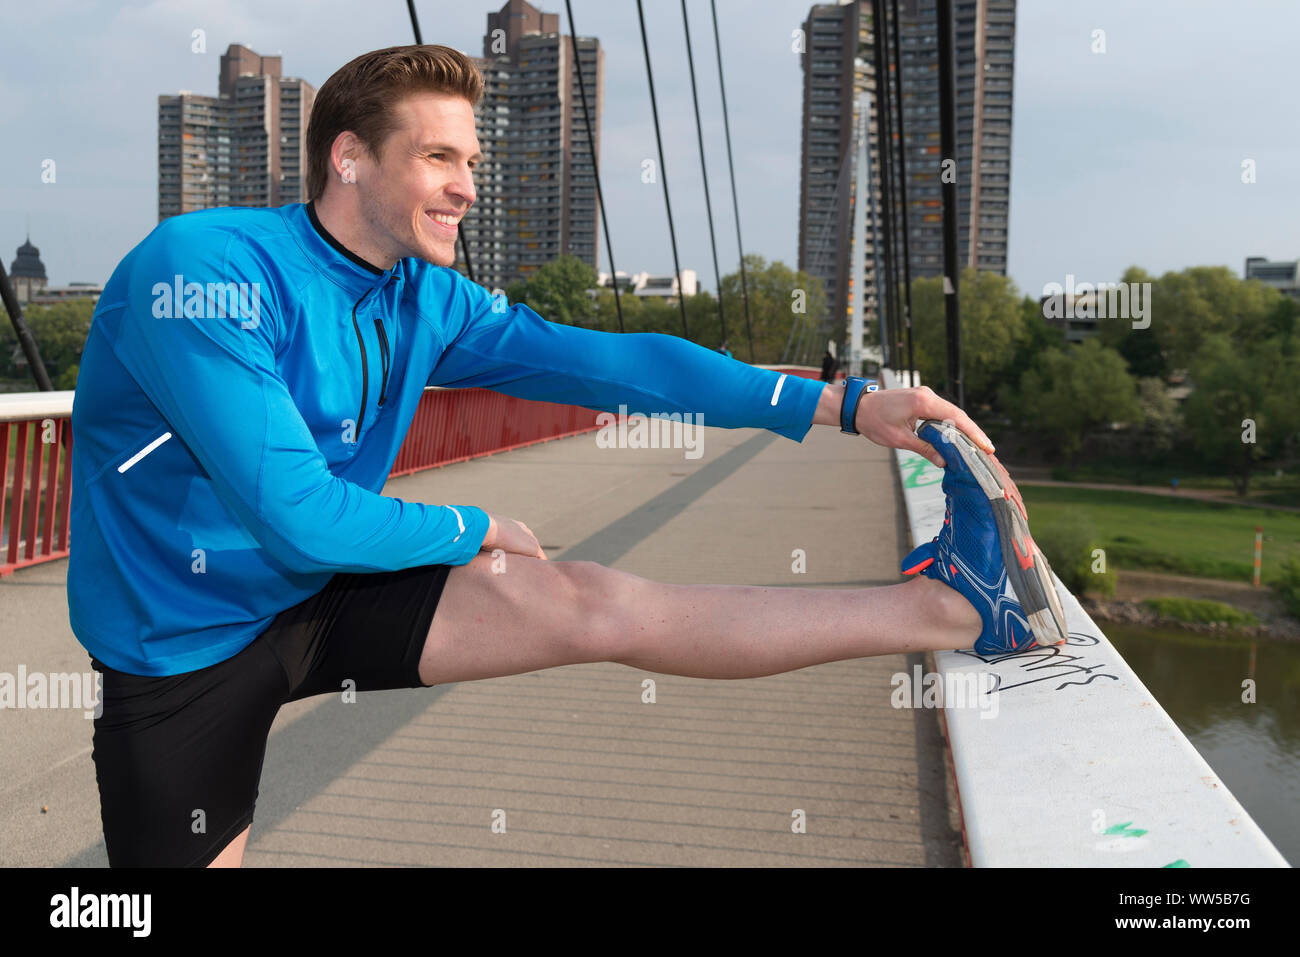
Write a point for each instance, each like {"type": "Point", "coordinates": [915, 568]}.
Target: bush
{"type": "Point", "coordinates": [1068, 544]}
{"type": "Point", "coordinates": [1200, 611]}
{"type": "Point", "coordinates": [1287, 586]}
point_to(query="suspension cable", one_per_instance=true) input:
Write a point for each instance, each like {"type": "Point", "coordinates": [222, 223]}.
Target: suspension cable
{"type": "Point", "coordinates": [902, 187]}
{"type": "Point", "coordinates": [663, 170]}
{"type": "Point", "coordinates": [595, 168]}
{"type": "Point", "coordinates": [704, 169]}
{"type": "Point", "coordinates": [726, 125]}
{"type": "Point", "coordinates": [460, 232]}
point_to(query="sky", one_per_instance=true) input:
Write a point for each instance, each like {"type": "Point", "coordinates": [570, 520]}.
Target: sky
{"type": "Point", "coordinates": [1132, 156]}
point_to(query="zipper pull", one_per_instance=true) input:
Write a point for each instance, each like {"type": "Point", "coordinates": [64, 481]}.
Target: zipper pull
{"type": "Point", "coordinates": [384, 359]}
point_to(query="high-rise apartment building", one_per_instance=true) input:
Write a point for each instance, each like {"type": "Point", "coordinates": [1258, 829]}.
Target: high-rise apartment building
{"type": "Point", "coordinates": [244, 147]}
{"type": "Point", "coordinates": [837, 69]}
{"type": "Point", "coordinates": [839, 64]}
{"type": "Point", "coordinates": [536, 185]}
{"type": "Point", "coordinates": [984, 33]}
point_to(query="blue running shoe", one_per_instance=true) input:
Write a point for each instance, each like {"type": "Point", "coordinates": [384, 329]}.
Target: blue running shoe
{"type": "Point", "coordinates": [985, 551]}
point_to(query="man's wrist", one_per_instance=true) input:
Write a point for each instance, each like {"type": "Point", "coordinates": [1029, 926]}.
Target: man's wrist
{"type": "Point", "coordinates": [828, 406]}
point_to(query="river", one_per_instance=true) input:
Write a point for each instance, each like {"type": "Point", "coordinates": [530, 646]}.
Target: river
{"type": "Point", "coordinates": [1254, 748]}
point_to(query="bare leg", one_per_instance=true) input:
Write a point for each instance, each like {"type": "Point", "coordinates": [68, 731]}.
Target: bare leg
{"type": "Point", "coordinates": [540, 614]}
{"type": "Point", "coordinates": [233, 853]}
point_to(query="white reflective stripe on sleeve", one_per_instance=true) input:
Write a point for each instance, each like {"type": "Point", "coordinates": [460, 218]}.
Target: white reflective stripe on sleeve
{"type": "Point", "coordinates": [459, 521]}
{"type": "Point", "coordinates": [144, 451]}
{"type": "Point", "coordinates": [776, 393]}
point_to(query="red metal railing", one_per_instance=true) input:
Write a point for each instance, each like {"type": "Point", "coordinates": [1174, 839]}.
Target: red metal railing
{"type": "Point", "coordinates": [34, 510]}
{"type": "Point", "coordinates": [450, 425]}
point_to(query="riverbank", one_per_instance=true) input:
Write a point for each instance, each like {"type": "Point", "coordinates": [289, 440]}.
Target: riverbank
{"type": "Point", "coordinates": [1134, 587]}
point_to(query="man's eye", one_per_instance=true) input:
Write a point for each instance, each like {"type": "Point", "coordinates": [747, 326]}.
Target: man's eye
{"type": "Point", "coordinates": [437, 155]}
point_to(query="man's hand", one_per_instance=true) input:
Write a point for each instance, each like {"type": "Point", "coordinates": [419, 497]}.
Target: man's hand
{"type": "Point", "coordinates": [889, 416]}
{"type": "Point", "coordinates": [511, 536]}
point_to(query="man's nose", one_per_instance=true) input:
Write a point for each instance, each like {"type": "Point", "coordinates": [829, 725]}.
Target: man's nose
{"type": "Point", "coordinates": [462, 186]}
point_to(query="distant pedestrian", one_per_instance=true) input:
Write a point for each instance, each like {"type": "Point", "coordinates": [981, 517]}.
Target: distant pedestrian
{"type": "Point", "coordinates": [724, 350]}
{"type": "Point", "coordinates": [828, 367]}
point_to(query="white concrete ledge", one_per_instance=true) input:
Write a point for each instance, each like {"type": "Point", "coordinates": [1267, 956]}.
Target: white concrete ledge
{"type": "Point", "coordinates": [34, 405]}
{"type": "Point", "coordinates": [1070, 761]}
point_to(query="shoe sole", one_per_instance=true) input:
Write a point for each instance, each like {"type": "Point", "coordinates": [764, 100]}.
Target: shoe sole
{"type": "Point", "coordinates": [1032, 582]}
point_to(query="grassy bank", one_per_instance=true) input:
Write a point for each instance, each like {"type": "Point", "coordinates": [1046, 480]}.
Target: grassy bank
{"type": "Point", "coordinates": [1265, 486]}
{"type": "Point", "coordinates": [1161, 533]}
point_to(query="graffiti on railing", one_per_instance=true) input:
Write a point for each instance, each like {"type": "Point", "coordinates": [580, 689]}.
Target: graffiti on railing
{"type": "Point", "coordinates": [1058, 661]}
{"type": "Point", "coordinates": [919, 472]}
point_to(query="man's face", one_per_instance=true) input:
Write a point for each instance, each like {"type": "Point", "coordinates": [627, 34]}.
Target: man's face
{"type": "Point", "coordinates": [413, 197]}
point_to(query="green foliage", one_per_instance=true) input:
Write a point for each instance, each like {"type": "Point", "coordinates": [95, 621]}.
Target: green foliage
{"type": "Point", "coordinates": [67, 379]}
{"type": "Point", "coordinates": [1200, 611]}
{"type": "Point", "coordinates": [1039, 338]}
{"type": "Point", "coordinates": [994, 329]}
{"type": "Point", "coordinates": [558, 291]}
{"type": "Point", "coordinates": [1287, 586]}
{"type": "Point", "coordinates": [60, 332]}
{"type": "Point", "coordinates": [1238, 384]}
{"type": "Point", "coordinates": [778, 295]}
{"type": "Point", "coordinates": [1068, 543]}
{"type": "Point", "coordinates": [1161, 420]}
{"type": "Point", "coordinates": [1190, 306]}
{"type": "Point", "coordinates": [1065, 394]}
{"type": "Point", "coordinates": [1167, 533]}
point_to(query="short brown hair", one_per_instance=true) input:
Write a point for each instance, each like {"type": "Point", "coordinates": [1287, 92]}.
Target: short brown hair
{"type": "Point", "coordinates": [361, 95]}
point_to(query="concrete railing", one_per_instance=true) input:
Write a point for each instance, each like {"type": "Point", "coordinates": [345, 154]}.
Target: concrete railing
{"type": "Point", "coordinates": [1063, 758]}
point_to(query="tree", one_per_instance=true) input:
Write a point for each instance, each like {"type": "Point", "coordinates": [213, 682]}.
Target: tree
{"type": "Point", "coordinates": [993, 329]}
{"type": "Point", "coordinates": [1039, 336]}
{"type": "Point", "coordinates": [1161, 419]}
{"type": "Point", "coordinates": [1065, 394]}
{"type": "Point", "coordinates": [778, 297]}
{"type": "Point", "coordinates": [60, 332]}
{"type": "Point", "coordinates": [1189, 307]}
{"type": "Point", "coordinates": [559, 292]}
{"type": "Point", "coordinates": [1243, 409]}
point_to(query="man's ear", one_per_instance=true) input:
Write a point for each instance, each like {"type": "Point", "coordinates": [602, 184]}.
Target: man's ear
{"type": "Point", "coordinates": [343, 156]}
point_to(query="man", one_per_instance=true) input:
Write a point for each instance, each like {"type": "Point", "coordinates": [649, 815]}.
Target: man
{"type": "Point", "coordinates": [248, 379]}
{"type": "Point", "coordinates": [828, 367]}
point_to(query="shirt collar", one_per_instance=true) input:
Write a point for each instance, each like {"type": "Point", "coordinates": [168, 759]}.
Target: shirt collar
{"type": "Point", "coordinates": [334, 259]}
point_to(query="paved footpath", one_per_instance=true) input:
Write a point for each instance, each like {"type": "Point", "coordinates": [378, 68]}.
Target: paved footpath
{"type": "Point", "coordinates": [578, 768]}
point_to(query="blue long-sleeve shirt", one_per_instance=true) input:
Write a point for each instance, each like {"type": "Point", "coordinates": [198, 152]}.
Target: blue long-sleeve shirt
{"type": "Point", "coordinates": [244, 390]}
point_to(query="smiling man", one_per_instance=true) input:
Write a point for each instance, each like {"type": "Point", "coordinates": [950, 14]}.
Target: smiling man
{"type": "Point", "coordinates": [249, 377]}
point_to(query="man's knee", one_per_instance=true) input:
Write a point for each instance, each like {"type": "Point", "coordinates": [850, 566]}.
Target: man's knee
{"type": "Point", "coordinates": [598, 601]}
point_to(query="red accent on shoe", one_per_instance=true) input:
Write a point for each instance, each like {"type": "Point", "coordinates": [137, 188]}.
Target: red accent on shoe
{"type": "Point", "coordinates": [1026, 561]}
{"type": "Point", "coordinates": [916, 568]}
{"type": "Point", "coordinates": [952, 569]}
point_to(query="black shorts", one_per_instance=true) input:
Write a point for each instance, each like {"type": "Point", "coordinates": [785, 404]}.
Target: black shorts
{"type": "Point", "coordinates": [178, 758]}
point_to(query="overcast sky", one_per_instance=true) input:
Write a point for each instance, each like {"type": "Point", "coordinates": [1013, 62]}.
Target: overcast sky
{"type": "Point", "coordinates": [1133, 156]}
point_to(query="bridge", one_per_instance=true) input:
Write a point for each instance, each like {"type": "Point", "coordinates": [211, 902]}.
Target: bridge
{"type": "Point", "coordinates": [1059, 757]}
